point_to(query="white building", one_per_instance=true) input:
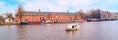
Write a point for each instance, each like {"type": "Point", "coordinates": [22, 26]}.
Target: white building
{"type": "Point", "coordinates": [8, 20]}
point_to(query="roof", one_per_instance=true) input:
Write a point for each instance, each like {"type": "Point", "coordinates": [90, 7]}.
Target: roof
{"type": "Point", "coordinates": [47, 13]}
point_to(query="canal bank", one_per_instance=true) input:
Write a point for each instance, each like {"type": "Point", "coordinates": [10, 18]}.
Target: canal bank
{"type": "Point", "coordinates": [33, 23]}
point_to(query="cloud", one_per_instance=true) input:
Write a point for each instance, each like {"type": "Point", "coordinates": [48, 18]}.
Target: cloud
{"type": "Point", "coordinates": [4, 8]}
{"type": "Point", "coordinates": [60, 5]}
{"type": "Point", "coordinates": [57, 5]}
{"type": "Point", "coordinates": [1, 4]}
{"type": "Point", "coordinates": [112, 1]}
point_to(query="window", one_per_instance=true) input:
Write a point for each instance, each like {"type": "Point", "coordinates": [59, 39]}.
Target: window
{"type": "Point", "coordinates": [26, 19]}
{"type": "Point", "coordinates": [9, 20]}
{"type": "Point", "coordinates": [41, 15]}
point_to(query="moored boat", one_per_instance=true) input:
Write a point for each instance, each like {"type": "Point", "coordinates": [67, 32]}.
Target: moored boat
{"type": "Point", "coordinates": [24, 23]}
{"type": "Point", "coordinates": [92, 20]}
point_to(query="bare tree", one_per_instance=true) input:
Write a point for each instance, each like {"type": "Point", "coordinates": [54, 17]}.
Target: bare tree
{"type": "Point", "coordinates": [10, 15]}
{"type": "Point", "coordinates": [76, 16]}
{"type": "Point", "coordinates": [1, 19]}
{"type": "Point", "coordinates": [49, 16]}
{"type": "Point", "coordinates": [95, 14]}
{"type": "Point", "coordinates": [20, 12]}
{"type": "Point", "coordinates": [82, 14]}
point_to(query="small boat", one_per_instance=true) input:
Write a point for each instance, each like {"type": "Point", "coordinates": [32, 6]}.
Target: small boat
{"type": "Point", "coordinates": [24, 23]}
{"type": "Point", "coordinates": [93, 20]}
{"type": "Point", "coordinates": [47, 22]}
{"type": "Point", "coordinates": [72, 27]}
{"type": "Point", "coordinates": [81, 21]}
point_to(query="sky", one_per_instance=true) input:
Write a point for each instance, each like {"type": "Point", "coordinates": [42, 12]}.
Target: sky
{"type": "Point", "coordinates": [57, 5]}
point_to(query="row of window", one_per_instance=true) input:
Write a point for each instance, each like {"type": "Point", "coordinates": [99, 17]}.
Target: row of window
{"type": "Point", "coordinates": [31, 15]}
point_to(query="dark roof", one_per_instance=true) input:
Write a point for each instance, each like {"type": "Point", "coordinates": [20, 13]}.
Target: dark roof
{"type": "Point", "coordinates": [47, 13]}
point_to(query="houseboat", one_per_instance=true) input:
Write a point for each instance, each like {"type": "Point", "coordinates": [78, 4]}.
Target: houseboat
{"type": "Point", "coordinates": [72, 27]}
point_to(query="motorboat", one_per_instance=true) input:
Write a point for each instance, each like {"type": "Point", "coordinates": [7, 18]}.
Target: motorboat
{"type": "Point", "coordinates": [72, 27]}
{"type": "Point", "coordinates": [48, 21]}
{"type": "Point", "coordinates": [93, 20]}
{"type": "Point", "coordinates": [24, 23]}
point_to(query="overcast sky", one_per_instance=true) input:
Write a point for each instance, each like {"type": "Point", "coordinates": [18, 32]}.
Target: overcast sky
{"type": "Point", "coordinates": [58, 5]}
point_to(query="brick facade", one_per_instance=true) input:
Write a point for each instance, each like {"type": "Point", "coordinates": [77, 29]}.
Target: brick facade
{"type": "Point", "coordinates": [52, 16]}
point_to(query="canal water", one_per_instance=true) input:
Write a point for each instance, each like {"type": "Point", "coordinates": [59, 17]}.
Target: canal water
{"type": "Point", "coordinates": [106, 30]}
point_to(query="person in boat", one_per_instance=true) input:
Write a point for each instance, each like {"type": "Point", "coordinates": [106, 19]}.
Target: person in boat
{"type": "Point", "coordinates": [73, 26]}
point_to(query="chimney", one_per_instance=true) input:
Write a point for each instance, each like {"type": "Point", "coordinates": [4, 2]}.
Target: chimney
{"type": "Point", "coordinates": [67, 11]}
{"type": "Point", "coordinates": [39, 10]}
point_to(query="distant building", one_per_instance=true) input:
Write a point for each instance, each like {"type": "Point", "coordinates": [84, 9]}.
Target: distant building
{"type": "Point", "coordinates": [32, 16]}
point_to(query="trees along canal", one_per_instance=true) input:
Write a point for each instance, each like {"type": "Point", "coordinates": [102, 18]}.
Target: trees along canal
{"type": "Point", "coordinates": [1, 19]}
{"type": "Point", "coordinates": [82, 14]}
{"type": "Point", "coordinates": [95, 14]}
{"type": "Point", "coordinates": [9, 19]}
{"type": "Point", "coordinates": [10, 15]}
{"type": "Point", "coordinates": [20, 12]}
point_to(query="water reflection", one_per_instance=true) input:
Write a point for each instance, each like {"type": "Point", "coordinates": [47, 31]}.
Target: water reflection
{"type": "Point", "coordinates": [70, 34]}
{"type": "Point", "coordinates": [88, 31]}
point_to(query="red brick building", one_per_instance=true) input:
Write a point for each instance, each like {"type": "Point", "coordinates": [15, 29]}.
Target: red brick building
{"type": "Point", "coordinates": [32, 16]}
